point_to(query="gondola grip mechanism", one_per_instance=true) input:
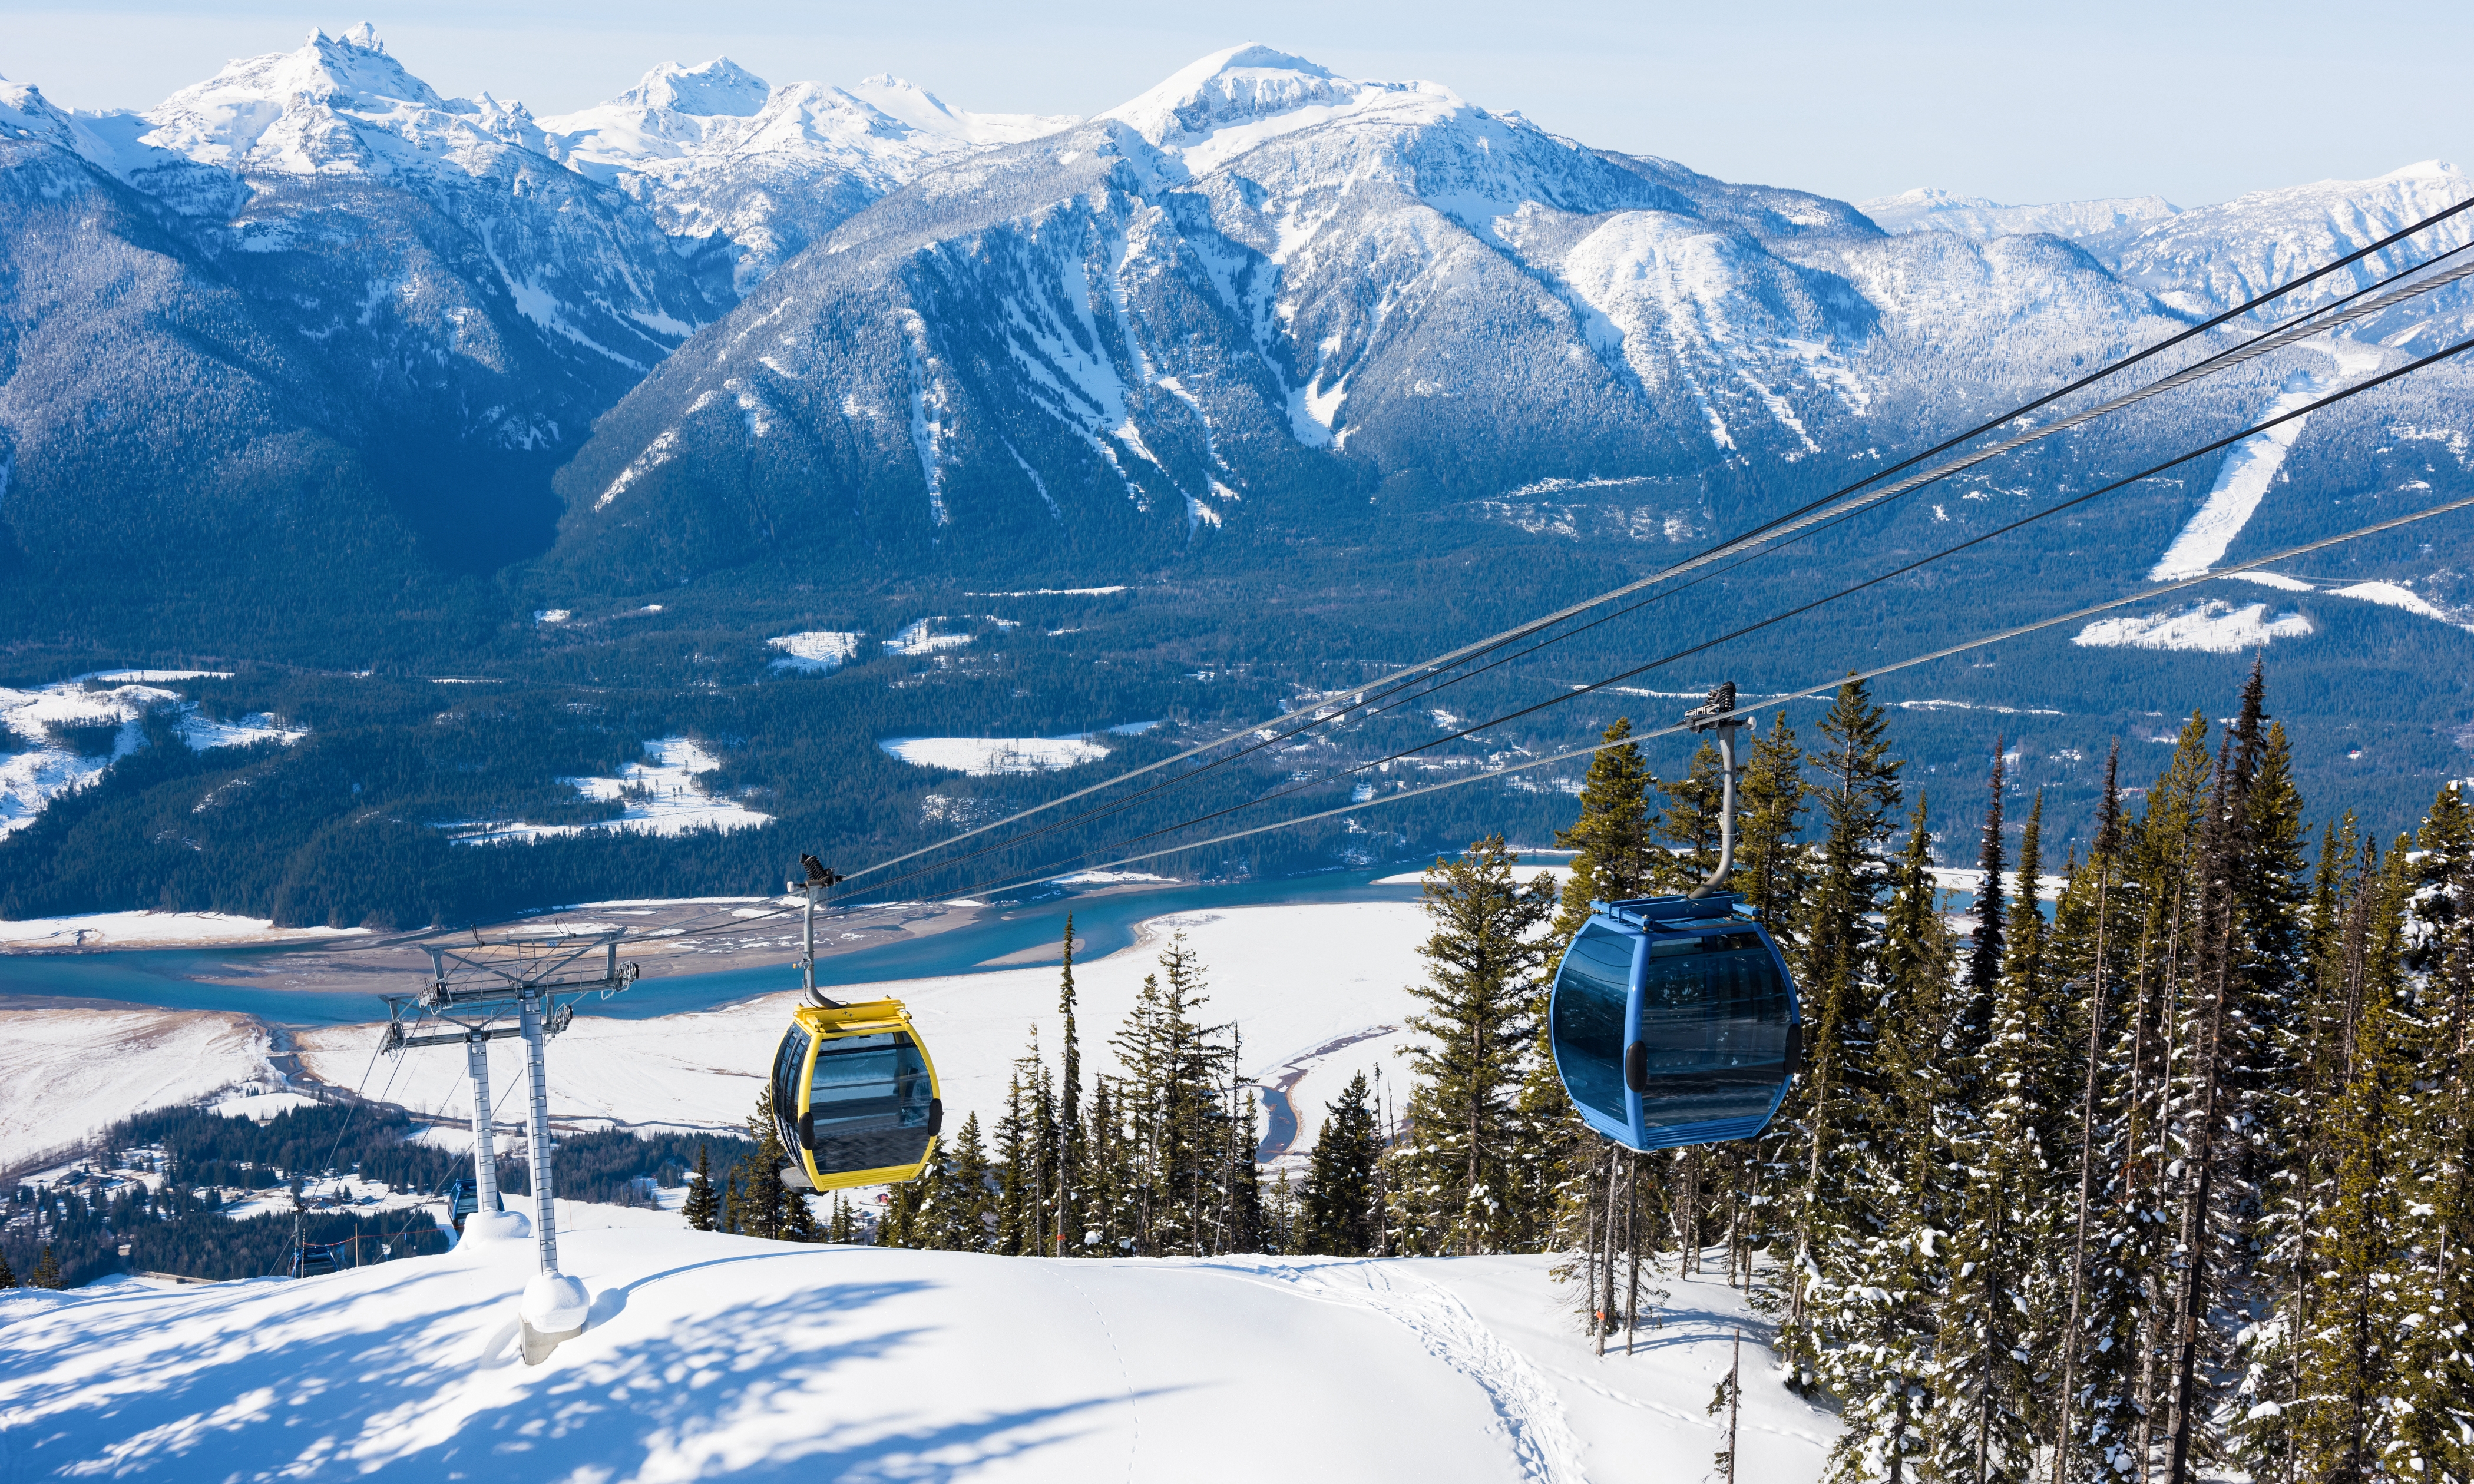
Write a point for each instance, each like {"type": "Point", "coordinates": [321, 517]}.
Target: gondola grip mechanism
{"type": "Point", "coordinates": [1718, 714]}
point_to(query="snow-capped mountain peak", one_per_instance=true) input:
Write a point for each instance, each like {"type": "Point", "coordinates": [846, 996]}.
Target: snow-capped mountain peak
{"type": "Point", "coordinates": [925, 111]}
{"type": "Point", "coordinates": [2435, 170]}
{"type": "Point", "coordinates": [717, 88]}
{"type": "Point", "coordinates": [1222, 104]}
{"type": "Point", "coordinates": [337, 106]}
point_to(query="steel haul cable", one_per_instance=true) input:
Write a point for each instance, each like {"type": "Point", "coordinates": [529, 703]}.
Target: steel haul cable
{"type": "Point", "coordinates": [1776, 618]}
{"type": "Point", "coordinates": [1767, 531]}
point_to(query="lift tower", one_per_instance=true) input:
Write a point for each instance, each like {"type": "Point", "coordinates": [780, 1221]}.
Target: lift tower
{"type": "Point", "coordinates": [523, 985]}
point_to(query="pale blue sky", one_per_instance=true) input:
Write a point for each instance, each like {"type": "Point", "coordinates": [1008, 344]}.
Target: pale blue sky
{"type": "Point", "coordinates": [2196, 102]}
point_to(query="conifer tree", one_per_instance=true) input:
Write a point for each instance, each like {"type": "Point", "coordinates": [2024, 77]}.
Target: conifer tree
{"type": "Point", "coordinates": [842, 1226]}
{"type": "Point", "coordinates": [7, 1279]}
{"type": "Point", "coordinates": [1875, 1271]}
{"type": "Point", "coordinates": [1072, 1161]}
{"type": "Point", "coordinates": [762, 1202]}
{"type": "Point", "coordinates": [957, 1210]}
{"type": "Point", "coordinates": [1023, 1156]}
{"type": "Point", "coordinates": [1618, 859]}
{"type": "Point", "coordinates": [1249, 1222]}
{"type": "Point", "coordinates": [703, 1206]}
{"type": "Point", "coordinates": [1858, 791]}
{"type": "Point", "coordinates": [1986, 1380]}
{"type": "Point", "coordinates": [1690, 826]}
{"type": "Point", "coordinates": [1772, 866]}
{"type": "Point", "coordinates": [2353, 1366]}
{"type": "Point", "coordinates": [1339, 1216]}
{"type": "Point", "coordinates": [2090, 1393]}
{"type": "Point", "coordinates": [47, 1271]}
{"type": "Point", "coordinates": [799, 1219]}
{"type": "Point", "coordinates": [905, 1220]}
{"type": "Point", "coordinates": [1452, 1180]}
{"type": "Point", "coordinates": [2440, 1349]}
{"type": "Point", "coordinates": [1985, 951]}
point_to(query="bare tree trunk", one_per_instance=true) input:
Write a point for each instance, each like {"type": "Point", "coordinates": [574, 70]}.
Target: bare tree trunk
{"type": "Point", "coordinates": [1590, 1253]}
{"type": "Point", "coordinates": [1607, 1304]}
{"type": "Point", "coordinates": [1632, 1247]}
{"type": "Point", "coordinates": [2191, 1311]}
{"type": "Point", "coordinates": [1687, 1216]}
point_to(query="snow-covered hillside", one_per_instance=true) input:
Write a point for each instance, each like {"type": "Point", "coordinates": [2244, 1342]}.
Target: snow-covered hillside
{"type": "Point", "coordinates": [63, 736]}
{"type": "Point", "coordinates": [711, 1355]}
{"type": "Point", "coordinates": [2212, 258]}
{"type": "Point", "coordinates": [1925, 209]}
{"type": "Point", "coordinates": [67, 1073]}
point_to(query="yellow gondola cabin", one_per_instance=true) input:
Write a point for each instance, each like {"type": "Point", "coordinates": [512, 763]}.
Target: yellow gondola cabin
{"type": "Point", "coordinates": [855, 1096]}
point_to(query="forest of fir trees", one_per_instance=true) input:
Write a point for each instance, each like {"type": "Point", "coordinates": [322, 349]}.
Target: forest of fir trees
{"type": "Point", "coordinates": [2171, 1180]}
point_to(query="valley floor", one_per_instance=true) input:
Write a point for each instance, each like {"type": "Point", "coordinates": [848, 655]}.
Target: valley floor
{"type": "Point", "coordinates": [711, 1357]}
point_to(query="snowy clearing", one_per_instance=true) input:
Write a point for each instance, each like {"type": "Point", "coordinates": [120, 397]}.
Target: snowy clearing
{"type": "Point", "coordinates": [153, 931]}
{"type": "Point", "coordinates": [921, 637]}
{"type": "Point", "coordinates": [2395, 595]}
{"type": "Point", "coordinates": [662, 798]}
{"type": "Point", "coordinates": [1967, 878]}
{"type": "Point", "coordinates": [2241, 482]}
{"type": "Point", "coordinates": [58, 762]}
{"type": "Point", "coordinates": [261, 1107]}
{"type": "Point", "coordinates": [1296, 978]}
{"type": "Point", "coordinates": [2211, 628]}
{"type": "Point", "coordinates": [707, 1356]}
{"type": "Point", "coordinates": [821, 651]}
{"type": "Point", "coordinates": [986, 756]}
{"type": "Point", "coordinates": [68, 1073]}
{"type": "Point", "coordinates": [201, 733]}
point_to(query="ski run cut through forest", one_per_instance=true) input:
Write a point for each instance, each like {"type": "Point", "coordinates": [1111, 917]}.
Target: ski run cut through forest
{"type": "Point", "coordinates": [2168, 1181]}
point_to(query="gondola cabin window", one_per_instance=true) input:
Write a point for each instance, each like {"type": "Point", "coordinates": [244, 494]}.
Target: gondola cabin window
{"type": "Point", "coordinates": [1589, 1035]}
{"type": "Point", "coordinates": [1713, 1018]}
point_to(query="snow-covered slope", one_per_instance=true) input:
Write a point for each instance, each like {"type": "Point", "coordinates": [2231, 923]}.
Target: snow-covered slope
{"type": "Point", "coordinates": [2212, 258]}
{"type": "Point", "coordinates": [709, 1355]}
{"type": "Point", "coordinates": [70, 1072]}
{"type": "Point", "coordinates": [1925, 209]}
{"type": "Point", "coordinates": [925, 111]}
{"type": "Point", "coordinates": [61, 737]}
{"type": "Point", "coordinates": [724, 160]}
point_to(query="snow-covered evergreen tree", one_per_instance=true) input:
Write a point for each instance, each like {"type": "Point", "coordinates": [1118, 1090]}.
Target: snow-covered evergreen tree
{"type": "Point", "coordinates": [1877, 1269]}
{"type": "Point", "coordinates": [1857, 782]}
{"type": "Point", "coordinates": [1339, 1195]}
{"type": "Point", "coordinates": [703, 1206]}
{"type": "Point", "coordinates": [1453, 1180]}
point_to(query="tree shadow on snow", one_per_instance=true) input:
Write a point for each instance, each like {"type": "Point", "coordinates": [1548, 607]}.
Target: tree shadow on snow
{"type": "Point", "coordinates": [300, 1386]}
